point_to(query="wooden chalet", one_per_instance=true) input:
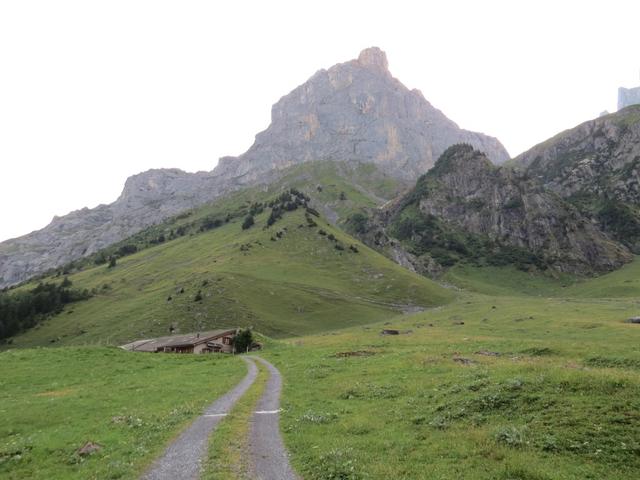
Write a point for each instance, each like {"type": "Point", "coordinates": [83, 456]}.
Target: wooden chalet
{"type": "Point", "coordinates": [215, 341]}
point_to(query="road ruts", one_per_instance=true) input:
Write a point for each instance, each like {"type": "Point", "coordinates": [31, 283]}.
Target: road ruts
{"type": "Point", "coordinates": [269, 457]}
{"type": "Point", "coordinates": [183, 458]}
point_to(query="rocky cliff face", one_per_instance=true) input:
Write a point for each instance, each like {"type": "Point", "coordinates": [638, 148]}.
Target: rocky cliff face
{"type": "Point", "coordinates": [596, 166]}
{"type": "Point", "coordinates": [628, 97]}
{"type": "Point", "coordinates": [353, 112]}
{"type": "Point", "coordinates": [467, 207]}
{"type": "Point", "coordinates": [356, 111]}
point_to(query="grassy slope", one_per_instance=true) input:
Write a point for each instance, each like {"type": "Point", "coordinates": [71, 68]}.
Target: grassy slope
{"type": "Point", "coordinates": [298, 284]}
{"type": "Point", "coordinates": [561, 400]}
{"type": "Point", "coordinates": [500, 281]}
{"type": "Point", "coordinates": [52, 401]}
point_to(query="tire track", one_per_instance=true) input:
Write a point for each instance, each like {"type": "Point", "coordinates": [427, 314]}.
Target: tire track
{"type": "Point", "coordinates": [183, 458]}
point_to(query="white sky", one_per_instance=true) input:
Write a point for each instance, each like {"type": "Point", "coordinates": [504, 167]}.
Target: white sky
{"type": "Point", "coordinates": [94, 91]}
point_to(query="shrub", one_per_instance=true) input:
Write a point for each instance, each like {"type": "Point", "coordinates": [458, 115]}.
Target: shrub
{"type": "Point", "coordinates": [210, 223]}
{"type": "Point", "coordinates": [243, 340]}
{"type": "Point", "coordinates": [127, 249]}
{"type": "Point", "coordinates": [511, 436]}
{"type": "Point", "coordinates": [337, 464]}
{"type": "Point", "coordinates": [358, 222]}
{"type": "Point", "coordinates": [248, 222]}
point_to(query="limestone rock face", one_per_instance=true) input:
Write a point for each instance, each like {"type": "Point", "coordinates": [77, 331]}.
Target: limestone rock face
{"type": "Point", "coordinates": [628, 97]}
{"type": "Point", "coordinates": [469, 194]}
{"type": "Point", "coordinates": [596, 166]}
{"type": "Point", "coordinates": [600, 157]}
{"type": "Point", "coordinates": [353, 112]}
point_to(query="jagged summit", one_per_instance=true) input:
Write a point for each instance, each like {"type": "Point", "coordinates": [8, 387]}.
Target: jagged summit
{"type": "Point", "coordinates": [373, 57]}
{"type": "Point", "coordinates": [355, 112]}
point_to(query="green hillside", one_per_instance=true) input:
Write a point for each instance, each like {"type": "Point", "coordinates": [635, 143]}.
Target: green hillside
{"type": "Point", "coordinates": [300, 275]}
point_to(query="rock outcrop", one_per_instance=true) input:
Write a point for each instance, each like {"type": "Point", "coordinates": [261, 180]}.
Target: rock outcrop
{"type": "Point", "coordinates": [467, 207]}
{"type": "Point", "coordinates": [596, 166]}
{"type": "Point", "coordinates": [628, 97]}
{"type": "Point", "coordinates": [353, 112]}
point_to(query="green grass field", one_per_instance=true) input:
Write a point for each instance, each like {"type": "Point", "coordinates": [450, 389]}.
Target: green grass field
{"type": "Point", "coordinates": [54, 401]}
{"type": "Point", "coordinates": [502, 386]}
{"type": "Point", "coordinates": [490, 387]}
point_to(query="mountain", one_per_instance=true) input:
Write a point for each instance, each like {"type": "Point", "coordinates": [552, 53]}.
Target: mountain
{"type": "Point", "coordinates": [467, 208]}
{"type": "Point", "coordinates": [289, 273]}
{"type": "Point", "coordinates": [595, 166]}
{"type": "Point", "coordinates": [353, 112]}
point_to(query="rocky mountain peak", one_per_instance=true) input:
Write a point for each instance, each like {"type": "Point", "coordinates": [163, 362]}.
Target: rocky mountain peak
{"type": "Point", "coordinates": [374, 58]}
{"type": "Point", "coordinates": [354, 112]}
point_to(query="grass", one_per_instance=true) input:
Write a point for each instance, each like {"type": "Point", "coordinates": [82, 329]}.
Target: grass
{"type": "Point", "coordinates": [489, 387]}
{"type": "Point", "coordinates": [298, 284]}
{"type": "Point", "coordinates": [54, 401]}
{"type": "Point", "coordinates": [228, 448]}
{"type": "Point", "coordinates": [509, 281]}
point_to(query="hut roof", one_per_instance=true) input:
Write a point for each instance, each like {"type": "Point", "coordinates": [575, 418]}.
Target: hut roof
{"type": "Point", "coordinates": [153, 344]}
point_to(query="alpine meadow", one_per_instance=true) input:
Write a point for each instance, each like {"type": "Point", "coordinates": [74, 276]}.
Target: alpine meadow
{"type": "Point", "coordinates": [368, 292]}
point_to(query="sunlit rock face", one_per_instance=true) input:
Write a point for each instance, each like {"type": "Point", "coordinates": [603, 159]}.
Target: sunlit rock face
{"type": "Point", "coordinates": [356, 112]}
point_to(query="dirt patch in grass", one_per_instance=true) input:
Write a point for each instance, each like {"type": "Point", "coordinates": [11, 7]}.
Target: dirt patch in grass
{"type": "Point", "coordinates": [356, 353]}
{"type": "Point", "coordinates": [56, 393]}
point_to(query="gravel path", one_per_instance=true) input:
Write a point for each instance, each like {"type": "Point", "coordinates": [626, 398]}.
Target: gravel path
{"type": "Point", "coordinates": [269, 458]}
{"type": "Point", "coordinates": [183, 458]}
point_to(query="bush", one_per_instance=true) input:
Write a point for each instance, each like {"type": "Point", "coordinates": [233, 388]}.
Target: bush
{"type": "Point", "coordinates": [127, 249]}
{"type": "Point", "coordinates": [248, 222]}
{"type": "Point", "coordinates": [243, 340]}
{"type": "Point", "coordinates": [112, 262]}
{"type": "Point", "coordinates": [358, 222]}
{"type": "Point", "coordinates": [210, 223]}
{"type": "Point", "coordinates": [337, 465]}
{"type": "Point", "coordinates": [511, 436]}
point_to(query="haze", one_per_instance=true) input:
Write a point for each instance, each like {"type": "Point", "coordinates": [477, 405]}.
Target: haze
{"type": "Point", "coordinates": [93, 92]}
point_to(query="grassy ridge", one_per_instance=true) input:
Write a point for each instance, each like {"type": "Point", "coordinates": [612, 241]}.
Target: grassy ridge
{"type": "Point", "coordinates": [53, 401]}
{"type": "Point", "coordinates": [283, 280]}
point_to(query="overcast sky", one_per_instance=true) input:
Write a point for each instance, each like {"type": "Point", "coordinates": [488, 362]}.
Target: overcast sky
{"type": "Point", "coordinates": [94, 91]}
